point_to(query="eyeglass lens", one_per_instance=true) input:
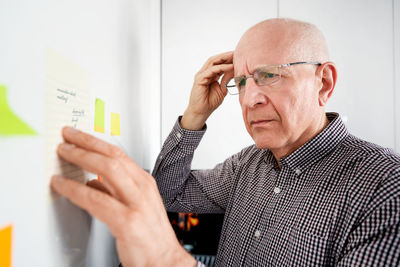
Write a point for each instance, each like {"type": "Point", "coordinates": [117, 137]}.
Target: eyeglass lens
{"type": "Point", "coordinates": [263, 76]}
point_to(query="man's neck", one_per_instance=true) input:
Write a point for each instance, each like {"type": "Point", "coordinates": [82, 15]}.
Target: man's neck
{"type": "Point", "coordinates": [310, 134]}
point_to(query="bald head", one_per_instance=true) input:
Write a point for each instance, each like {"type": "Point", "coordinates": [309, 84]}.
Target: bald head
{"type": "Point", "coordinates": [282, 41]}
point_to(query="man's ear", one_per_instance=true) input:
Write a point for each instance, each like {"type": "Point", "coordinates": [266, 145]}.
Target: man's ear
{"type": "Point", "coordinates": [328, 80]}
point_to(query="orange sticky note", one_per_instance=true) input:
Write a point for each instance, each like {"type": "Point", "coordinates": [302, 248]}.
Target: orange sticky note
{"type": "Point", "coordinates": [5, 246]}
{"type": "Point", "coordinates": [115, 124]}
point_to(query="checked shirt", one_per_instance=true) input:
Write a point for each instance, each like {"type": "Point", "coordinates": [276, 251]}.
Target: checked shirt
{"type": "Point", "coordinates": [334, 202]}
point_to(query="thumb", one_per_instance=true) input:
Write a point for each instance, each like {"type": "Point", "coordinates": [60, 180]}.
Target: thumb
{"type": "Point", "coordinates": [225, 79]}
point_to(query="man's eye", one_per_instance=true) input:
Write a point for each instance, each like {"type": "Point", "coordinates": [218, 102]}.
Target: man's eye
{"type": "Point", "coordinates": [266, 75]}
{"type": "Point", "coordinates": [242, 82]}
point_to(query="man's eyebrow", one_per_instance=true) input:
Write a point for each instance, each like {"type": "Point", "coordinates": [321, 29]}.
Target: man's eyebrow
{"type": "Point", "coordinates": [243, 74]}
{"type": "Point", "coordinates": [260, 66]}
{"type": "Point", "coordinates": [251, 72]}
{"type": "Point", "coordinates": [240, 74]}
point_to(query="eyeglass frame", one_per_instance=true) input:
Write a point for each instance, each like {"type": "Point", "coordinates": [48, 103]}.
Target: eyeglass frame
{"type": "Point", "coordinates": [280, 75]}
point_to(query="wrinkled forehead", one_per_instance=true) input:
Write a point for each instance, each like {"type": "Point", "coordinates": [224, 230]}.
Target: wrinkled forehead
{"type": "Point", "coordinates": [262, 48]}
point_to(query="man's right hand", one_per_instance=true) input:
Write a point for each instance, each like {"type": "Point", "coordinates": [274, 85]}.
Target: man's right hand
{"type": "Point", "coordinates": [207, 93]}
{"type": "Point", "coordinates": [128, 201]}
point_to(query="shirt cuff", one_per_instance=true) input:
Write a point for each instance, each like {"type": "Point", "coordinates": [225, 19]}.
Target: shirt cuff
{"type": "Point", "coordinates": [185, 139]}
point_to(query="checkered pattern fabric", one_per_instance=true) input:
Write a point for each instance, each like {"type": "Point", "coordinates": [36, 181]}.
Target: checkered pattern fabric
{"type": "Point", "coordinates": [334, 202]}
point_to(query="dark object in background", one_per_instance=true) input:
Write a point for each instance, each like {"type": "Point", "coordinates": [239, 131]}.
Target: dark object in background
{"type": "Point", "coordinates": [198, 233]}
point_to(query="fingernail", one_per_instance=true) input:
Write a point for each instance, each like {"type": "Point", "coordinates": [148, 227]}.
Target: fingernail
{"type": "Point", "coordinates": [71, 130]}
{"type": "Point", "coordinates": [66, 146]}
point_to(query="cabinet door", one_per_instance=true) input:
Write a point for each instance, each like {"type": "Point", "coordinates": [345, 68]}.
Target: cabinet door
{"type": "Point", "coordinates": [396, 37]}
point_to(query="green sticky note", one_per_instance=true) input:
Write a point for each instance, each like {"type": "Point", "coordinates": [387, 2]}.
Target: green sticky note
{"type": "Point", "coordinates": [10, 123]}
{"type": "Point", "coordinates": [99, 111]}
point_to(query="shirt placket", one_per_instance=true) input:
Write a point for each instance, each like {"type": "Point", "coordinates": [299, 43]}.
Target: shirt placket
{"type": "Point", "coordinates": [275, 183]}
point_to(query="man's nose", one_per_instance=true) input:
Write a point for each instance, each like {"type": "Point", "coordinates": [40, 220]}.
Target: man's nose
{"type": "Point", "coordinates": [253, 94]}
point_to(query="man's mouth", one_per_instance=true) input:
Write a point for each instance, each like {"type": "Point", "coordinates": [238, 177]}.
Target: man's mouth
{"type": "Point", "coordinates": [260, 123]}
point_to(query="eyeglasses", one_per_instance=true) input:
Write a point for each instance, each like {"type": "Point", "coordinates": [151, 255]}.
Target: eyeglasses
{"type": "Point", "coordinates": [266, 75]}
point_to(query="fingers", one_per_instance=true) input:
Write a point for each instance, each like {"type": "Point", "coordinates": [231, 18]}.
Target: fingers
{"type": "Point", "coordinates": [98, 204]}
{"type": "Point", "coordinates": [209, 75]}
{"type": "Point", "coordinates": [112, 170]}
{"type": "Point", "coordinates": [226, 57]}
{"type": "Point", "coordinates": [91, 143]}
{"type": "Point", "coordinates": [96, 184]}
{"type": "Point", "coordinates": [227, 76]}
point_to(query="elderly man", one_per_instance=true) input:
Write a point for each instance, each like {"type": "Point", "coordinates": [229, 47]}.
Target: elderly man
{"type": "Point", "coordinates": [307, 193]}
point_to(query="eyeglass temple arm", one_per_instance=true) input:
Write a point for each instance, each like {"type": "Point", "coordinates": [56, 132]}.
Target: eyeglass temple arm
{"type": "Point", "coordinates": [302, 62]}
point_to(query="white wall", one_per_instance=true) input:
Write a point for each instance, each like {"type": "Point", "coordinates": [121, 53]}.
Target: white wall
{"type": "Point", "coordinates": [360, 38]}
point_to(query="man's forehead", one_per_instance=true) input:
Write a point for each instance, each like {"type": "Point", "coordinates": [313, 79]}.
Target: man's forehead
{"type": "Point", "coordinates": [254, 51]}
{"type": "Point", "coordinates": [279, 41]}
{"type": "Point", "coordinates": [247, 62]}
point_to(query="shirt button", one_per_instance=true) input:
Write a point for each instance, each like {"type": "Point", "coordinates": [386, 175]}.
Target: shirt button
{"type": "Point", "coordinates": [257, 233]}
{"type": "Point", "coordinates": [277, 190]}
{"type": "Point", "coordinates": [160, 156]}
{"type": "Point", "coordinates": [179, 135]}
{"type": "Point", "coordinates": [297, 171]}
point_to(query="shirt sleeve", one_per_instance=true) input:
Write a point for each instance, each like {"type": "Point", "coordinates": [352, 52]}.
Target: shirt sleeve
{"type": "Point", "coordinates": [186, 190]}
{"type": "Point", "coordinates": [375, 240]}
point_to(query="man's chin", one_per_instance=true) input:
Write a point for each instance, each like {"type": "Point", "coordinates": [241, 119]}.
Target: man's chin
{"type": "Point", "coordinates": [263, 144]}
{"type": "Point", "coordinates": [267, 141]}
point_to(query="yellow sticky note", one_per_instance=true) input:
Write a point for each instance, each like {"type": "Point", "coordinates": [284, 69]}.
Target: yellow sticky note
{"type": "Point", "coordinates": [99, 110]}
{"type": "Point", "coordinates": [5, 246]}
{"type": "Point", "coordinates": [115, 124]}
{"type": "Point", "coordinates": [10, 123]}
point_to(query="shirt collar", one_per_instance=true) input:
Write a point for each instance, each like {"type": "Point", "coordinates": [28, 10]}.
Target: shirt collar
{"type": "Point", "coordinates": [315, 149]}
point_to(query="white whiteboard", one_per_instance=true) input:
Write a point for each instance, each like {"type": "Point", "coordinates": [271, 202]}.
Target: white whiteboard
{"type": "Point", "coordinates": [108, 39]}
